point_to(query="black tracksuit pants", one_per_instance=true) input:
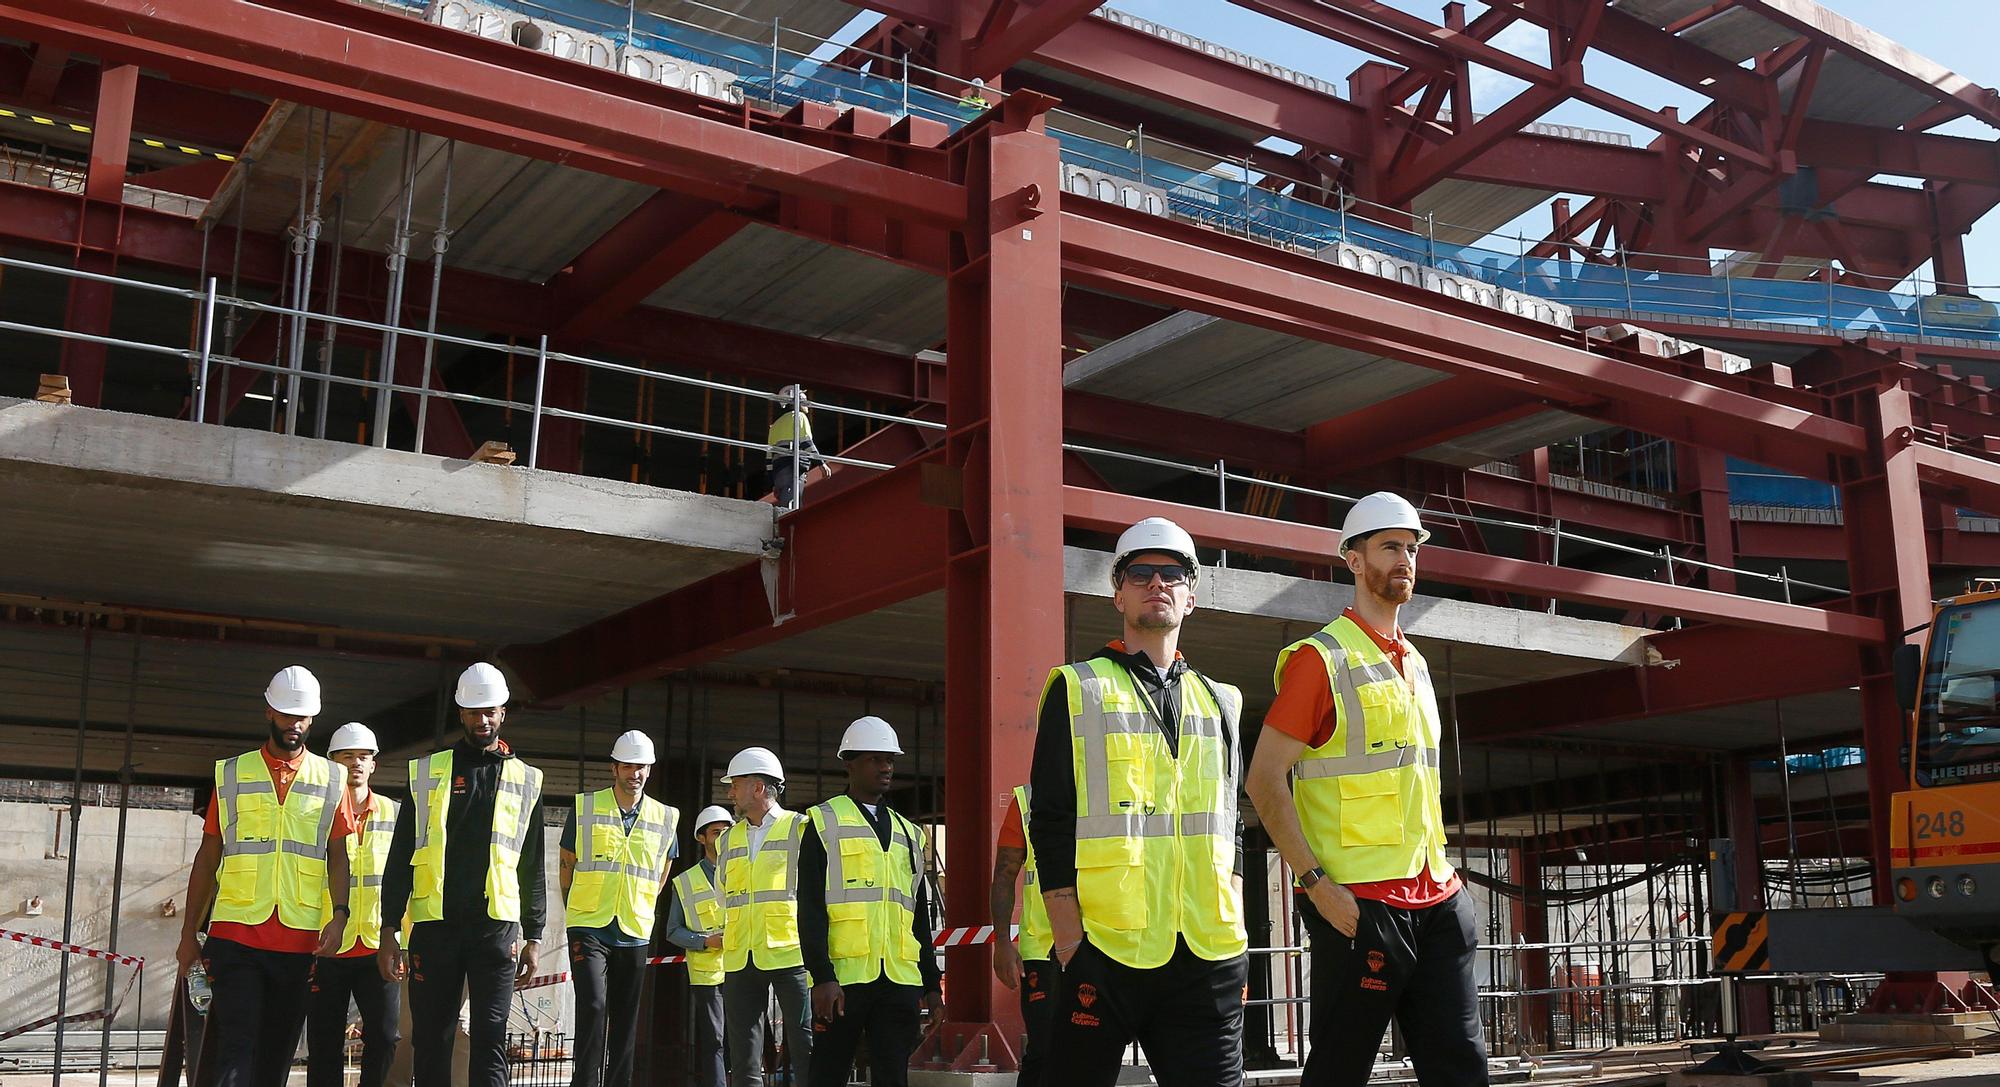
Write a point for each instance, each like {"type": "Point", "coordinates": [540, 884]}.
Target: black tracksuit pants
{"type": "Point", "coordinates": [888, 1014]}
{"type": "Point", "coordinates": [259, 1009]}
{"type": "Point", "coordinates": [450, 960]}
{"type": "Point", "coordinates": [1414, 966]}
{"type": "Point", "coordinates": [1039, 980]}
{"type": "Point", "coordinates": [606, 981]}
{"type": "Point", "coordinates": [380, 1003]}
{"type": "Point", "coordinates": [1187, 1015]}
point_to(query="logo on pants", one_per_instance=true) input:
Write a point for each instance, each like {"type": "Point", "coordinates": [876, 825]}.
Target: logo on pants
{"type": "Point", "coordinates": [1376, 961]}
{"type": "Point", "coordinates": [1086, 995]}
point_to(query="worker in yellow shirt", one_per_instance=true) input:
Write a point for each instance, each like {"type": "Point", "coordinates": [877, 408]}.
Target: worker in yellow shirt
{"type": "Point", "coordinates": [1346, 782]}
{"type": "Point", "coordinates": [759, 861]}
{"type": "Point", "coordinates": [351, 974]}
{"type": "Point", "coordinates": [615, 853]}
{"type": "Point", "coordinates": [790, 453]}
{"type": "Point", "coordinates": [1027, 969]}
{"type": "Point", "coordinates": [1138, 844]}
{"type": "Point", "coordinates": [694, 923]}
{"type": "Point", "coordinates": [865, 920]}
{"type": "Point", "coordinates": [273, 861]}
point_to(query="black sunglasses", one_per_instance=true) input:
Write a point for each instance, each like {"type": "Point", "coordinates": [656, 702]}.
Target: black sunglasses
{"type": "Point", "coordinates": [1141, 573]}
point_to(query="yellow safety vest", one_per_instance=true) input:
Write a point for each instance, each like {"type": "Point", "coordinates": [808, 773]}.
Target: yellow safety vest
{"type": "Point", "coordinates": [618, 874]}
{"type": "Point", "coordinates": [1037, 937]}
{"type": "Point", "coordinates": [703, 911]}
{"type": "Point", "coordinates": [790, 427]}
{"type": "Point", "coordinates": [430, 791]}
{"type": "Point", "coordinates": [871, 894]}
{"type": "Point", "coordinates": [1155, 834]}
{"type": "Point", "coordinates": [1368, 798]}
{"type": "Point", "coordinates": [273, 855]}
{"type": "Point", "coordinates": [367, 856]}
{"type": "Point", "coordinates": [761, 896]}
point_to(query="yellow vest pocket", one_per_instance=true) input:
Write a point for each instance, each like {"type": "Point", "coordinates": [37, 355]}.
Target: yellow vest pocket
{"type": "Point", "coordinates": [1111, 881]}
{"type": "Point", "coordinates": [1371, 809]}
{"type": "Point", "coordinates": [847, 937]}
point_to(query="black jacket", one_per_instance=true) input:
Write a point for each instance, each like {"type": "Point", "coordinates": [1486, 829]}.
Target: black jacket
{"type": "Point", "coordinates": [468, 823]}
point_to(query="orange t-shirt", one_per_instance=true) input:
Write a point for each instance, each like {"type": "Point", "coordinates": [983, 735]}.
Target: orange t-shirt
{"type": "Point", "coordinates": [272, 934]}
{"type": "Point", "coordinates": [1010, 827]}
{"type": "Point", "coordinates": [1304, 710]}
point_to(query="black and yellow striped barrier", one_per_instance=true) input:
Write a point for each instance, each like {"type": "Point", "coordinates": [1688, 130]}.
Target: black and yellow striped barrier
{"type": "Point", "coordinates": [1742, 943]}
{"type": "Point", "coordinates": [157, 145]}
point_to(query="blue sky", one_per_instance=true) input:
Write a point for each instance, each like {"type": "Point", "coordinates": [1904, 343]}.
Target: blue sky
{"type": "Point", "coordinates": [1959, 34]}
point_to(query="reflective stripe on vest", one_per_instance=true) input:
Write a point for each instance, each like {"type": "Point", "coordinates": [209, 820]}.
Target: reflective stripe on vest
{"type": "Point", "coordinates": [790, 427]}
{"type": "Point", "coordinates": [760, 895]}
{"type": "Point", "coordinates": [702, 911]}
{"type": "Point", "coordinates": [618, 873]}
{"type": "Point", "coordinates": [871, 898]}
{"type": "Point", "coordinates": [1155, 831]}
{"type": "Point", "coordinates": [273, 855]}
{"type": "Point", "coordinates": [367, 856]}
{"type": "Point", "coordinates": [1037, 938]}
{"type": "Point", "coordinates": [1369, 797]}
{"type": "Point", "coordinates": [515, 795]}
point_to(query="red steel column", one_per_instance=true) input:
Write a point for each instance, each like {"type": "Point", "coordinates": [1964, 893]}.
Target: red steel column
{"type": "Point", "coordinates": [1705, 478]}
{"type": "Point", "coordinates": [1531, 926]}
{"type": "Point", "coordinates": [89, 307]}
{"type": "Point", "coordinates": [1739, 814]}
{"type": "Point", "coordinates": [1004, 577]}
{"type": "Point", "coordinates": [1883, 518]}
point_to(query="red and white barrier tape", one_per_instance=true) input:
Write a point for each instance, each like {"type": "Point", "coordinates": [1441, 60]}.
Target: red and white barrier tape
{"type": "Point", "coordinates": [73, 949]}
{"type": "Point", "coordinates": [558, 979]}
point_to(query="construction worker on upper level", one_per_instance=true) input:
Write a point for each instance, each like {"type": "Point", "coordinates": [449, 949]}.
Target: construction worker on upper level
{"type": "Point", "coordinates": [865, 920]}
{"type": "Point", "coordinates": [791, 453]}
{"type": "Point", "coordinates": [1138, 844]}
{"type": "Point", "coordinates": [352, 975]}
{"type": "Point", "coordinates": [616, 851]}
{"type": "Point", "coordinates": [274, 861]}
{"type": "Point", "coordinates": [467, 864]}
{"type": "Point", "coordinates": [1027, 969]}
{"type": "Point", "coordinates": [760, 935]}
{"type": "Point", "coordinates": [695, 918]}
{"type": "Point", "coordinates": [1346, 781]}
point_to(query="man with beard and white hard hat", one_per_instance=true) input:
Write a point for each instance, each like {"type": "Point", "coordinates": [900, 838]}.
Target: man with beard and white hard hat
{"type": "Point", "coordinates": [467, 865]}
{"type": "Point", "coordinates": [865, 920]}
{"type": "Point", "coordinates": [1138, 844]}
{"type": "Point", "coordinates": [273, 859]}
{"type": "Point", "coordinates": [760, 936]}
{"type": "Point", "coordinates": [1346, 781]}
{"type": "Point", "coordinates": [615, 853]}
{"type": "Point", "coordinates": [695, 920]}
{"type": "Point", "coordinates": [351, 974]}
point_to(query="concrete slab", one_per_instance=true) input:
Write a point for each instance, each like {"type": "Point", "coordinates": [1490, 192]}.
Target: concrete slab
{"type": "Point", "coordinates": [129, 509]}
{"type": "Point", "coordinates": [1909, 1029]}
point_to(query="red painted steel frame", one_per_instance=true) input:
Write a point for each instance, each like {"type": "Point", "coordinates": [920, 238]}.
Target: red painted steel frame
{"type": "Point", "coordinates": [98, 228]}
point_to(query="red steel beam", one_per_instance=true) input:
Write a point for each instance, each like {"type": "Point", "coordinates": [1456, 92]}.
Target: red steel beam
{"type": "Point", "coordinates": [1355, 32]}
{"type": "Point", "coordinates": [994, 53]}
{"type": "Point", "coordinates": [1105, 512]}
{"type": "Point", "coordinates": [98, 228]}
{"type": "Point", "coordinates": [165, 109]}
{"type": "Point", "coordinates": [1700, 668]}
{"type": "Point", "coordinates": [404, 72]}
{"type": "Point", "coordinates": [1885, 56]}
{"type": "Point", "coordinates": [662, 238]}
{"type": "Point", "coordinates": [866, 548]}
{"type": "Point", "coordinates": [1324, 302]}
{"type": "Point", "coordinates": [1417, 420]}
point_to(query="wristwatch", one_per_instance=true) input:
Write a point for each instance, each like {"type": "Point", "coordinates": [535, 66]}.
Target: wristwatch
{"type": "Point", "coordinates": [1308, 878]}
{"type": "Point", "coordinates": [342, 909]}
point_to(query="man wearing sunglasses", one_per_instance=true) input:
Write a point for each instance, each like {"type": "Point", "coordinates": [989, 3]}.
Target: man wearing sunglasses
{"type": "Point", "coordinates": [1138, 846]}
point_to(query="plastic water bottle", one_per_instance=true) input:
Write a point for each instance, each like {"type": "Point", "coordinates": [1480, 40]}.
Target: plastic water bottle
{"type": "Point", "coordinates": [199, 992]}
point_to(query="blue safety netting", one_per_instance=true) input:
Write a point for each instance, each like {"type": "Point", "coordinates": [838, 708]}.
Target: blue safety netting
{"type": "Point", "coordinates": [1755, 485]}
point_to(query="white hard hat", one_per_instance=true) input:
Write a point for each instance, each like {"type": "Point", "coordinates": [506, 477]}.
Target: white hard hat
{"type": "Point", "coordinates": [755, 760]}
{"type": "Point", "coordinates": [353, 736]}
{"type": "Point", "coordinates": [481, 687]}
{"type": "Point", "coordinates": [1156, 534]}
{"type": "Point", "coordinates": [1378, 511]}
{"type": "Point", "coordinates": [791, 391]}
{"type": "Point", "coordinates": [711, 815]}
{"type": "Point", "coordinates": [293, 691]}
{"type": "Point", "coordinates": [868, 735]}
{"type": "Point", "coordinates": [633, 746]}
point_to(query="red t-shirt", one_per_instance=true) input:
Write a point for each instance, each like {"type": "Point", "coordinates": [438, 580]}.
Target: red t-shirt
{"type": "Point", "coordinates": [272, 934]}
{"type": "Point", "coordinates": [1010, 826]}
{"type": "Point", "coordinates": [1304, 710]}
